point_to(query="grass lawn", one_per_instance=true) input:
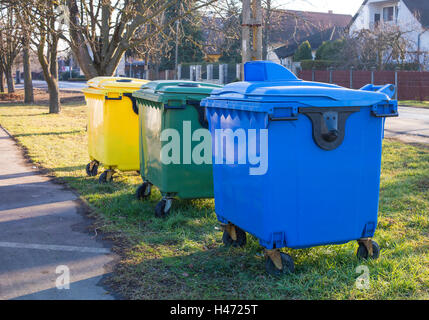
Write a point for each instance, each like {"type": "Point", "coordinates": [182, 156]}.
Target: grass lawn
{"type": "Point", "coordinates": [414, 103]}
{"type": "Point", "coordinates": [182, 256]}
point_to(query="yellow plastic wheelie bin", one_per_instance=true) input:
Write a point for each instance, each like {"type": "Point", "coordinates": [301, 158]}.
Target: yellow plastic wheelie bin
{"type": "Point", "coordinates": [113, 128]}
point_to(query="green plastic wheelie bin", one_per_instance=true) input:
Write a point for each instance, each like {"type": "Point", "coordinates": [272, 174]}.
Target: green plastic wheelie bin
{"type": "Point", "coordinates": [175, 145]}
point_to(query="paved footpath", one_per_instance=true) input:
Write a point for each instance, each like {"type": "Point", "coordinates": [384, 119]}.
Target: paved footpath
{"type": "Point", "coordinates": [43, 229]}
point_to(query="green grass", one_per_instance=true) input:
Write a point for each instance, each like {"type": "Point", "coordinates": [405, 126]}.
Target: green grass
{"type": "Point", "coordinates": [182, 256]}
{"type": "Point", "coordinates": [414, 103]}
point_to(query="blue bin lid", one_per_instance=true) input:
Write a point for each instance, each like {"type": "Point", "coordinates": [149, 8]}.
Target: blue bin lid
{"type": "Point", "coordinates": [267, 84]}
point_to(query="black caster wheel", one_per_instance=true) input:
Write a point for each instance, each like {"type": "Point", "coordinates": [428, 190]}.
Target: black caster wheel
{"type": "Point", "coordinates": [163, 207]}
{"type": "Point", "coordinates": [92, 172]}
{"type": "Point", "coordinates": [288, 265]}
{"type": "Point", "coordinates": [144, 191]}
{"type": "Point", "coordinates": [106, 176]}
{"type": "Point", "coordinates": [241, 238]}
{"type": "Point", "coordinates": [362, 252]}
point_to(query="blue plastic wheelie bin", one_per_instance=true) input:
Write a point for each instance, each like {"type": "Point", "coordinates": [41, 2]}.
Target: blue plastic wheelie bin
{"type": "Point", "coordinates": [297, 163]}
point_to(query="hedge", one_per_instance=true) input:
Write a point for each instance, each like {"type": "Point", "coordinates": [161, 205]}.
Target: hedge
{"type": "Point", "coordinates": [319, 64]}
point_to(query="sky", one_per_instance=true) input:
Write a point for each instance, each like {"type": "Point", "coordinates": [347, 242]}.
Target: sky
{"type": "Point", "coordinates": [337, 6]}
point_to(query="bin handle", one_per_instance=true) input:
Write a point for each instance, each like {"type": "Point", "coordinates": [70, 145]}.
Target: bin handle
{"type": "Point", "coordinates": [128, 95]}
{"type": "Point", "coordinates": [109, 98]}
{"type": "Point", "coordinates": [292, 117]}
{"type": "Point", "coordinates": [283, 118]}
{"type": "Point", "coordinates": [202, 119]}
{"type": "Point", "coordinates": [388, 89]}
{"type": "Point", "coordinates": [388, 110]}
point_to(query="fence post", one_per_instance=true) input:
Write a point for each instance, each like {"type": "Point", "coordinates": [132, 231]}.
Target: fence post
{"type": "Point", "coordinates": [330, 69]}
{"type": "Point", "coordinates": [179, 72]}
{"type": "Point", "coordinates": [396, 83]}
{"type": "Point", "coordinates": [313, 74]}
{"type": "Point", "coordinates": [372, 75]}
{"type": "Point", "coordinates": [238, 71]}
{"type": "Point", "coordinates": [191, 72]}
{"type": "Point", "coordinates": [198, 72]}
{"type": "Point", "coordinates": [209, 72]}
{"type": "Point", "coordinates": [223, 69]}
{"type": "Point", "coordinates": [351, 77]}
{"type": "Point", "coordinates": [166, 74]}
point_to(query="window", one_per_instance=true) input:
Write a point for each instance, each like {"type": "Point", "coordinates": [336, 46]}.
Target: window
{"type": "Point", "coordinates": [388, 13]}
{"type": "Point", "coordinates": [377, 18]}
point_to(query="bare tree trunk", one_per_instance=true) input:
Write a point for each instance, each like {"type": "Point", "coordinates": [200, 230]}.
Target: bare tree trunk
{"type": "Point", "coordinates": [54, 96]}
{"type": "Point", "coordinates": [2, 86]}
{"type": "Point", "coordinates": [28, 81]}
{"type": "Point", "coordinates": [9, 79]}
{"type": "Point", "coordinates": [54, 90]}
{"type": "Point", "coordinates": [50, 70]}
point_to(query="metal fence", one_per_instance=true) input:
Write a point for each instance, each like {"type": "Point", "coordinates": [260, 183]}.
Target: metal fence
{"type": "Point", "coordinates": [215, 73]}
{"type": "Point", "coordinates": [411, 85]}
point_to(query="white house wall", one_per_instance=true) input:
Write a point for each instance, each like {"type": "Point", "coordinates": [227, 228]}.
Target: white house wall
{"type": "Point", "coordinates": [362, 21]}
{"type": "Point", "coordinates": [409, 24]}
{"type": "Point", "coordinates": [406, 21]}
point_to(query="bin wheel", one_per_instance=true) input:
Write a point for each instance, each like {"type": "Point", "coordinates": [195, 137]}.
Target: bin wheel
{"type": "Point", "coordinates": [363, 253]}
{"type": "Point", "coordinates": [144, 191]}
{"type": "Point", "coordinates": [106, 176]}
{"type": "Point", "coordinates": [288, 265]}
{"type": "Point", "coordinates": [92, 172]}
{"type": "Point", "coordinates": [163, 207]}
{"type": "Point", "coordinates": [241, 238]}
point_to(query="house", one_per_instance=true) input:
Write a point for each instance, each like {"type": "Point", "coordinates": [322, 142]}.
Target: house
{"type": "Point", "coordinates": [285, 53]}
{"type": "Point", "coordinates": [410, 16]}
{"type": "Point", "coordinates": [290, 28]}
{"type": "Point", "coordinates": [285, 28]}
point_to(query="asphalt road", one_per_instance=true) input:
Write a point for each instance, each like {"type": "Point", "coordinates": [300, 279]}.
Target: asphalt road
{"type": "Point", "coordinates": [412, 125]}
{"type": "Point", "coordinates": [45, 236]}
{"type": "Point", "coordinates": [64, 85]}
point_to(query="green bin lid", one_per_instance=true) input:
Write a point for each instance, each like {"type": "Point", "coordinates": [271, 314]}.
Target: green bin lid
{"type": "Point", "coordinates": [164, 90]}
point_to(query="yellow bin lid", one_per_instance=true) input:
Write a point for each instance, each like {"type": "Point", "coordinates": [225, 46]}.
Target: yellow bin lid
{"type": "Point", "coordinates": [105, 85]}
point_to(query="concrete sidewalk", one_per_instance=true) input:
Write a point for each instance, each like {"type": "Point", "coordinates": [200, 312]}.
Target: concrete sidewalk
{"type": "Point", "coordinates": [43, 231]}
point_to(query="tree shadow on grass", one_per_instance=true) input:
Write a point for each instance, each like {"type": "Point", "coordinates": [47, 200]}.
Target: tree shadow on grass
{"type": "Point", "coordinates": [24, 115]}
{"type": "Point", "coordinates": [69, 169]}
{"type": "Point", "coordinates": [48, 133]}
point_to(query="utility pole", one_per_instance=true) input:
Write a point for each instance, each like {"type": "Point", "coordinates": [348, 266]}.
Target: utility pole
{"type": "Point", "coordinates": [251, 31]}
{"type": "Point", "coordinates": [176, 54]}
